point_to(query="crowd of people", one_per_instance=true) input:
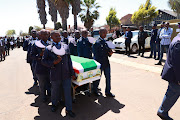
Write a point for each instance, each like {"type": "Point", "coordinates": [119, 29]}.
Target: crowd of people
{"type": "Point", "coordinates": [49, 57]}
{"type": "Point", "coordinates": [7, 43]}
{"type": "Point", "coordinates": [159, 41]}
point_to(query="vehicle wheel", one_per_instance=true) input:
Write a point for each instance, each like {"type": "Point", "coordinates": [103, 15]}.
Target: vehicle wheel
{"type": "Point", "coordinates": [134, 48]}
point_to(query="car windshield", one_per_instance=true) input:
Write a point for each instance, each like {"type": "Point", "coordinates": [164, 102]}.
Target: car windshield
{"type": "Point", "coordinates": [96, 32]}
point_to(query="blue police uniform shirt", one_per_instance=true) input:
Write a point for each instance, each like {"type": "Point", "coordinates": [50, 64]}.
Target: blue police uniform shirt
{"type": "Point", "coordinates": [73, 48]}
{"type": "Point", "coordinates": [61, 71]}
{"type": "Point", "coordinates": [172, 65]}
{"type": "Point", "coordinates": [84, 48]}
{"type": "Point", "coordinates": [101, 52]}
{"type": "Point", "coordinates": [153, 35]}
{"type": "Point", "coordinates": [35, 55]}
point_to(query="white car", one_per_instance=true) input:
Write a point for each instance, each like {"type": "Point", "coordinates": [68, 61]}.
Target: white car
{"type": "Point", "coordinates": [120, 42]}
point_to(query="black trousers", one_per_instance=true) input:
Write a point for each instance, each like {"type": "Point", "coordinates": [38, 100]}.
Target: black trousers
{"type": "Point", "coordinates": [141, 48]}
{"type": "Point", "coordinates": [128, 49]}
{"type": "Point", "coordinates": [7, 51]}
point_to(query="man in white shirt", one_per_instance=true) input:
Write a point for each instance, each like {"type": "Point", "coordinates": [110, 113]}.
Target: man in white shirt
{"type": "Point", "coordinates": [165, 37]}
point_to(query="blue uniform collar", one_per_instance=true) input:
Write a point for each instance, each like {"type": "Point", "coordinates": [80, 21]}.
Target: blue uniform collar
{"type": "Point", "coordinates": [57, 45]}
{"type": "Point", "coordinates": [101, 39]}
{"type": "Point", "coordinates": [44, 43]}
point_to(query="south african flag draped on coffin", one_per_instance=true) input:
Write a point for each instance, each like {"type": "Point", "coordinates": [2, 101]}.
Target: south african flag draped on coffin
{"type": "Point", "coordinates": [85, 68]}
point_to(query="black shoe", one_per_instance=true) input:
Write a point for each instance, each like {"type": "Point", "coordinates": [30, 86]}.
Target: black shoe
{"type": "Point", "coordinates": [70, 113]}
{"type": "Point", "coordinates": [97, 94]}
{"type": "Point", "coordinates": [164, 117]}
{"type": "Point", "coordinates": [157, 59]}
{"type": "Point", "coordinates": [150, 56]}
{"type": "Point", "coordinates": [159, 63]}
{"type": "Point", "coordinates": [110, 95]}
{"type": "Point", "coordinates": [53, 108]}
{"type": "Point", "coordinates": [142, 55]}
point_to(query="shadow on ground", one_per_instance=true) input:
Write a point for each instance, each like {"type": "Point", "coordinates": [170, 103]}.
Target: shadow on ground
{"type": "Point", "coordinates": [86, 108]}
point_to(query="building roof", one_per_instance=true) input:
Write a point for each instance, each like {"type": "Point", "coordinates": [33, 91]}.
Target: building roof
{"type": "Point", "coordinates": [172, 13]}
{"type": "Point", "coordinates": [126, 20]}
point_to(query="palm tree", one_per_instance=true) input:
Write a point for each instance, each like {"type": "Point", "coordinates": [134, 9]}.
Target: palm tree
{"type": "Point", "coordinates": [75, 10]}
{"type": "Point", "coordinates": [63, 8]}
{"type": "Point", "coordinates": [42, 12]}
{"type": "Point", "coordinates": [89, 13]}
{"type": "Point", "coordinates": [52, 12]}
{"type": "Point", "coordinates": [175, 6]}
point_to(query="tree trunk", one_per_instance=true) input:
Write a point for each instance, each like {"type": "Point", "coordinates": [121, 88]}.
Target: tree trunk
{"type": "Point", "coordinates": [75, 22]}
{"type": "Point", "coordinates": [54, 25]}
{"type": "Point", "coordinates": [178, 15]}
{"type": "Point", "coordinates": [44, 27]}
{"type": "Point", "coordinates": [64, 24]}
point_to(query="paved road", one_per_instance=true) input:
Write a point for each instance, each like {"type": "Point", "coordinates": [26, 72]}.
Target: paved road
{"type": "Point", "coordinates": [136, 83]}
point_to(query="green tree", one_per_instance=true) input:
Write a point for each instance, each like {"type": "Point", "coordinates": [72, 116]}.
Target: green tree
{"type": "Point", "coordinates": [76, 9]}
{"type": "Point", "coordinates": [37, 28]}
{"type": "Point", "coordinates": [52, 12]}
{"type": "Point", "coordinates": [57, 26]}
{"type": "Point", "coordinates": [89, 12]}
{"type": "Point", "coordinates": [175, 6]}
{"type": "Point", "coordinates": [111, 19]}
{"type": "Point", "coordinates": [10, 33]}
{"type": "Point", "coordinates": [41, 5]}
{"type": "Point", "coordinates": [30, 28]}
{"type": "Point", "coordinates": [146, 13]}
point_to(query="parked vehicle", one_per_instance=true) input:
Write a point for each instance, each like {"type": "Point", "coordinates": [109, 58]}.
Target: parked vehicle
{"type": "Point", "coordinates": [108, 36]}
{"type": "Point", "coordinates": [120, 42]}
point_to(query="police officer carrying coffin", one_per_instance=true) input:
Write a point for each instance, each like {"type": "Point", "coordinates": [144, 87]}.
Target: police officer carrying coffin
{"type": "Point", "coordinates": [42, 71]}
{"type": "Point", "coordinates": [101, 53]}
{"type": "Point", "coordinates": [65, 38]}
{"type": "Point", "coordinates": [153, 41]}
{"type": "Point", "coordinates": [61, 72]}
{"type": "Point", "coordinates": [84, 47]}
{"type": "Point", "coordinates": [28, 43]}
{"type": "Point", "coordinates": [142, 35]}
{"type": "Point", "coordinates": [170, 73]}
{"type": "Point", "coordinates": [73, 44]}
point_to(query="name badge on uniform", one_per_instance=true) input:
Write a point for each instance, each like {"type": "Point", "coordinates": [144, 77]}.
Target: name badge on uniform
{"type": "Point", "coordinates": [83, 43]}
{"type": "Point", "coordinates": [101, 45]}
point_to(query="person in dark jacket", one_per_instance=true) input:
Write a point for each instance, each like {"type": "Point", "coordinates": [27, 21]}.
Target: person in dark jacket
{"type": "Point", "coordinates": [73, 44]}
{"type": "Point", "coordinates": [142, 35]}
{"type": "Point", "coordinates": [101, 53]}
{"type": "Point", "coordinates": [84, 47]}
{"type": "Point", "coordinates": [170, 73]}
{"type": "Point", "coordinates": [61, 71]}
{"type": "Point", "coordinates": [41, 71]}
{"type": "Point", "coordinates": [65, 38]}
{"type": "Point", "coordinates": [128, 36]}
{"type": "Point", "coordinates": [27, 46]}
{"type": "Point", "coordinates": [153, 41]}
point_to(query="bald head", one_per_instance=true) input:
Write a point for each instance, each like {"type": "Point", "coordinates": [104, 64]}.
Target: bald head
{"type": "Point", "coordinates": [55, 35]}
{"type": "Point", "coordinates": [84, 33]}
{"type": "Point", "coordinates": [102, 32]}
{"type": "Point", "coordinates": [44, 35]}
{"type": "Point", "coordinates": [33, 33]}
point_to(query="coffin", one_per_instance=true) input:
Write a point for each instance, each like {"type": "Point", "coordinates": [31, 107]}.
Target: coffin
{"type": "Point", "coordinates": [85, 68]}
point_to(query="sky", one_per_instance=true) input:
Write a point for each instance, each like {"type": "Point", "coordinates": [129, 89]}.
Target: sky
{"type": "Point", "coordinates": [20, 14]}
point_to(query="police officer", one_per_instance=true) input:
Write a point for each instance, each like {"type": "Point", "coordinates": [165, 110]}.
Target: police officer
{"type": "Point", "coordinates": [2, 49]}
{"type": "Point", "coordinates": [84, 47]}
{"type": "Point", "coordinates": [142, 35]}
{"type": "Point", "coordinates": [65, 38]}
{"type": "Point", "coordinates": [42, 71]}
{"type": "Point", "coordinates": [128, 36]}
{"type": "Point", "coordinates": [61, 72]}
{"type": "Point", "coordinates": [101, 53]}
{"type": "Point", "coordinates": [28, 43]}
{"type": "Point", "coordinates": [153, 41]}
{"type": "Point", "coordinates": [73, 44]}
{"type": "Point", "coordinates": [170, 73]}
